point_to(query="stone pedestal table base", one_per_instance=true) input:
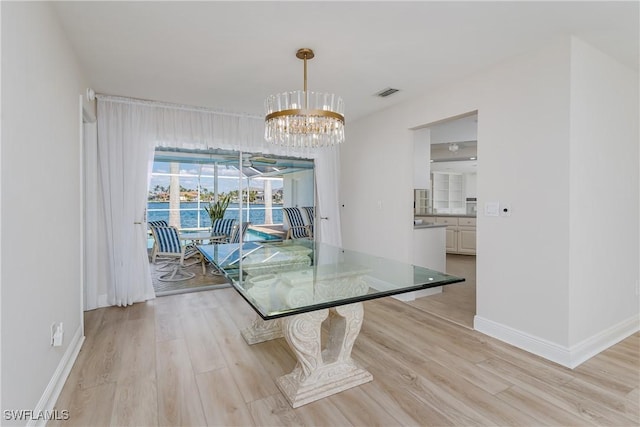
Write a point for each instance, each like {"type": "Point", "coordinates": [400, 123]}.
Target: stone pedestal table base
{"type": "Point", "coordinates": [319, 372]}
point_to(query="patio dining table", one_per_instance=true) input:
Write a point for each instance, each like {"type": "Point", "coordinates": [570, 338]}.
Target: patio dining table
{"type": "Point", "coordinates": [200, 236]}
{"type": "Point", "coordinates": [295, 285]}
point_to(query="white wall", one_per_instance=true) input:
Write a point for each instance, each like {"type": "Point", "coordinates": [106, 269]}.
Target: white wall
{"type": "Point", "coordinates": [41, 223]}
{"type": "Point", "coordinates": [458, 130]}
{"type": "Point", "coordinates": [604, 185]}
{"type": "Point", "coordinates": [377, 185]}
{"type": "Point", "coordinates": [523, 140]}
{"type": "Point", "coordinates": [422, 158]}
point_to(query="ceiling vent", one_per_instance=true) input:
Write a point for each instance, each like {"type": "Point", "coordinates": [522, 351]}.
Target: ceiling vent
{"type": "Point", "coordinates": [386, 92]}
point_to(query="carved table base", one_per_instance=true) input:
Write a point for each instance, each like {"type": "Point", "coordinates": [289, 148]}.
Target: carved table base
{"type": "Point", "coordinates": [262, 330]}
{"type": "Point", "coordinates": [319, 372]}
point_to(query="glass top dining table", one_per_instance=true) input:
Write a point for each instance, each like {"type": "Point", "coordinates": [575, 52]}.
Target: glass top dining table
{"type": "Point", "coordinates": [280, 279]}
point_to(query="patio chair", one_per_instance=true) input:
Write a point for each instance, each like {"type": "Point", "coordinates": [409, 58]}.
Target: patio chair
{"type": "Point", "coordinates": [222, 229]}
{"type": "Point", "coordinates": [151, 224]}
{"type": "Point", "coordinates": [311, 214]}
{"type": "Point", "coordinates": [239, 232]}
{"type": "Point", "coordinates": [297, 227]}
{"type": "Point", "coordinates": [169, 247]}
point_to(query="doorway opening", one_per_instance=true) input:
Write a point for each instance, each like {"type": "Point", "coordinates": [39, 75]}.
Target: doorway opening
{"type": "Point", "coordinates": [450, 198]}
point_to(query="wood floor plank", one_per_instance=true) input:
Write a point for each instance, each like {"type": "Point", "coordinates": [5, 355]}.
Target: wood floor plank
{"type": "Point", "coordinates": [321, 413]}
{"type": "Point", "coordinates": [141, 310]}
{"type": "Point", "coordinates": [441, 305]}
{"type": "Point", "coordinates": [251, 378]}
{"type": "Point", "coordinates": [91, 406]}
{"type": "Point", "coordinates": [135, 403]}
{"type": "Point", "coordinates": [485, 404]}
{"type": "Point", "coordinates": [114, 315]}
{"type": "Point", "coordinates": [178, 397]}
{"type": "Point", "coordinates": [102, 356]}
{"type": "Point", "coordinates": [362, 410]}
{"type": "Point", "coordinates": [591, 412]}
{"type": "Point", "coordinates": [600, 371]}
{"type": "Point", "coordinates": [403, 382]}
{"type": "Point", "coordinates": [275, 356]}
{"type": "Point", "coordinates": [203, 348]}
{"type": "Point", "coordinates": [395, 316]}
{"type": "Point", "coordinates": [239, 311]}
{"type": "Point", "coordinates": [168, 327]}
{"type": "Point", "coordinates": [612, 400]}
{"type": "Point", "coordinates": [462, 367]}
{"type": "Point", "coordinates": [274, 410]}
{"type": "Point", "coordinates": [402, 405]}
{"type": "Point", "coordinates": [222, 401]}
{"type": "Point", "coordinates": [92, 321]}
{"type": "Point", "coordinates": [633, 402]}
{"type": "Point", "coordinates": [136, 361]}
{"type": "Point", "coordinates": [427, 371]}
{"type": "Point", "coordinates": [540, 409]}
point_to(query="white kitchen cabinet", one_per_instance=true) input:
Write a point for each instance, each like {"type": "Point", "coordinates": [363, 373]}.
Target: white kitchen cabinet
{"type": "Point", "coordinates": [452, 240]}
{"type": "Point", "coordinates": [466, 240]}
{"type": "Point", "coordinates": [460, 234]}
{"type": "Point", "coordinates": [421, 201]}
{"type": "Point", "coordinates": [448, 193]}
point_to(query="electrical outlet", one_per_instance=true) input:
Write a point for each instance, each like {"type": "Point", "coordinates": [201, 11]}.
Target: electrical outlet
{"type": "Point", "coordinates": [57, 334]}
{"type": "Point", "coordinates": [505, 209]}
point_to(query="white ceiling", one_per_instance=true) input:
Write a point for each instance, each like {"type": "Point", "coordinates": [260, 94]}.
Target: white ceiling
{"type": "Point", "coordinates": [231, 55]}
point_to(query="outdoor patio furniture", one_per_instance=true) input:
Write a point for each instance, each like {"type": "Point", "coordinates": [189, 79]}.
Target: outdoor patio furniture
{"type": "Point", "coordinates": [311, 214]}
{"type": "Point", "coordinates": [169, 247]}
{"type": "Point", "coordinates": [151, 224]}
{"type": "Point", "coordinates": [298, 229]}
{"type": "Point", "coordinates": [222, 230]}
{"type": "Point", "coordinates": [239, 232]}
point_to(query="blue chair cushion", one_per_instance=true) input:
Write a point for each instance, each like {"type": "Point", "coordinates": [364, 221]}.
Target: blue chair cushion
{"type": "Point", "coordinates": [223, 226]}
{"type": "Point", "coordinates": [168, 240]}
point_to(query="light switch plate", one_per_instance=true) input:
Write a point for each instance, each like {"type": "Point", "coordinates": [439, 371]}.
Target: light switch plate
{"type": "Point", "coordinates": [492, 209]}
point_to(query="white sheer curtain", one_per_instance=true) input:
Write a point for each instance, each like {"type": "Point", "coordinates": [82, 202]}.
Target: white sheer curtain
{"type": "Point", "coordinates": [128, 132]}
{"type": "Point", "coordinates": [126, 141]}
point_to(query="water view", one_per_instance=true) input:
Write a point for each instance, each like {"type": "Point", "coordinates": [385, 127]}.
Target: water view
{"type": "Point", "coordinates": [192, 217]}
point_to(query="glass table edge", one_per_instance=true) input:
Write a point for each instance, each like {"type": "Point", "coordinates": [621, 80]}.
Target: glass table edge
{"type": "Point", "coordinates": [321, 306]}
{"type": "Point", "coordinates": [367, 297]}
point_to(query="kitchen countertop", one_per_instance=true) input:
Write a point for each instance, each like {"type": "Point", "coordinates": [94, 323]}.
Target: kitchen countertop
{"type": "Point", "coordinates": [443, 214]}
{"type": "Point", "coordinates": [428, 225]}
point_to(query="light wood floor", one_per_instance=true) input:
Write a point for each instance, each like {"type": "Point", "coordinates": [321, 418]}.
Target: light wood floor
{"type": "Point", "coordinates": [457, 302]}
{"type": "Point", "coordinates": [180, 360]}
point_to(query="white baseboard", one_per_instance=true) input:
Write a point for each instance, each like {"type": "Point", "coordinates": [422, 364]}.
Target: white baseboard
{"type": "Point", "coordinates": [570, 357]}
{"type": "Point", "coordinates": [588, 348]}
{"type": "Point", "coordinates": [52, 392]}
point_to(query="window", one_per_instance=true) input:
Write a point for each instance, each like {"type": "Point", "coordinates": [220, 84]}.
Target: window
{"type": "Point", "coordinates": [184, 182]}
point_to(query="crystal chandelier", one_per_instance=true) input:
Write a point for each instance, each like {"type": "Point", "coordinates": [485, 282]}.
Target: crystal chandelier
{"type": "Point", "coordinates": [302, 118]}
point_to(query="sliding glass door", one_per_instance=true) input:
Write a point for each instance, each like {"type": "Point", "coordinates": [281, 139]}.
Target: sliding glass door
{"type": "Point", "coordinates": [185, 184]}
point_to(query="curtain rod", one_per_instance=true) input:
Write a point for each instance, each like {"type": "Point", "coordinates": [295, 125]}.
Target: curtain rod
{"type": "Point", "coordinates": [131, 100]}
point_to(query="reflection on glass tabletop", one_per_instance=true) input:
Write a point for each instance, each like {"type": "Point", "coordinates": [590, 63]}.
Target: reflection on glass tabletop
{"type": "Point", "coordinates": [296, 276]}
